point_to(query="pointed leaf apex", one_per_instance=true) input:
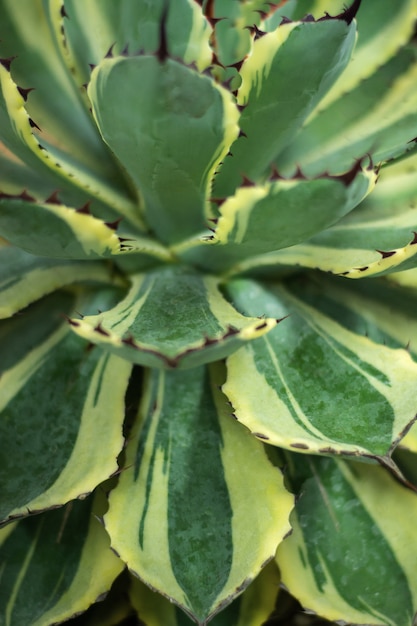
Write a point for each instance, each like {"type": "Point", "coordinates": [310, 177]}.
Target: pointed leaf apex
{"type": "Point", "coordinates": [162, 52]}
{"type": "Point", "coordinates": [350, 13]}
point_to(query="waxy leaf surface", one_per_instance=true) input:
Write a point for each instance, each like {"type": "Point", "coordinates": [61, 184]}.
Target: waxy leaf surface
{"type": "Point", "coordinates": [215, 527]}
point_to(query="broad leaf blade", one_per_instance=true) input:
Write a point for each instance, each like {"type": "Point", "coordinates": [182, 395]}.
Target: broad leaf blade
{"type": "Point", "coordinates": [92, 27]}
{"type": "Point", "coordinates": [313, 385]}
{"type": "Point", "coordinates": [25, 278]}
{"type": "Point", "coordinates": [172, 317]}
{"type": "Point", "coordinates": [279, 93]}
{"type": "Point", "coordinates": [172, 177]}
{"type": "Point", "coordinates": [378, 118]}
{"type": "Point", "coordinates": [214, 527]}
{"type": "Point", "coordinates": [252, 608]}
{"type": "Point", "coordinates": [277, 215]}
{"type": "Point", "coordinates": [55, 565]}
{"type": "Point", "coordinates": [75, 400]}
{"type": "Point", "coordinates": [352, 553]}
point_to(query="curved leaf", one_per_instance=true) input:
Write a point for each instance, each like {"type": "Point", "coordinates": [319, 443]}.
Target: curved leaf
{"type": "Point", "coordinates": [75, 400]}
{"type": "Point", "coordinates": [214, 527]}
{"type": "Point", "coordinates": [169, 101]}
{"type": "Point", "coordinates": [55, 565]}
{"type": "Point", "coordinates": [278, 93]}
{"type": "Point", "coordinates": [172, 317]}
{"type": "Point", "coordinates": [352, 553]}
{"type": "Point", "coordinates": [313, 385]}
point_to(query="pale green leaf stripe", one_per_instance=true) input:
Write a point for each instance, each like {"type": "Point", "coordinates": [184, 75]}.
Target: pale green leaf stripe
{"type": "Point", "coordinates": [214, 528]}
{"type": "Point", "coordinates": [60, 444]}
{"type": "Point", "coordinates": [360, 522]}
{"type": "Point", "coordinates": [275, 103]}
{"type": "Point", "coordinates": [25, 278]}
{"type": "Point", "coordinates": [378, 117]}
{"type": "Point", "coordinates": [351, 262]}
{"type": "Point", "coordinates": [315, 386]}
{"type": "Point", "coordinates": [173, 178]}
{"type": "Point", "coordinates": [258, 220]}
{"type": "Point", "coordinates": [56, 230]}
{"type": "Point", "coordinates": [22, 141]}
{"type": "Point", "coordinates": [81, 569]}
{"type": "Point", "coordinates": [382, 33]}
{"type": "Point", "coordinates": [252, 608]}
{"type": "Point", "coordinates": [93, 26]}
{"type": "Point", "coordinates": [172, 316]}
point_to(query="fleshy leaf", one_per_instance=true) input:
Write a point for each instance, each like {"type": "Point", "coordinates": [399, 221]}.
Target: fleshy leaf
{"type": "Point", "coordinates": [258, 220]}
{"type": "Point", "coordinates": [352, 553]}
{"type": "Point", "coordinates": [55, 565]}
{"type": "Point", "coordinates": [25, 278]}
{"type": "Point", "coordinates": [378, 118]}
{"type": "Point", "coordinates": [278, 92]}
{"type": "Point", "coordinates": [92, 27]}
{"type": "Point", "coordinates": [314, 386]}
{"type": "Point", "coordinates": [172, 317]}
{"type": "Point", "coordinates": [169, 101]}
{"type": "Point", "coordinates": [251, 608]}
{"type": "Point", "coordinates": [215, 528]}
{"type": "Point", "coordinates": [16, 131]}
{"type": "Point", "coordinates": [75, 400]}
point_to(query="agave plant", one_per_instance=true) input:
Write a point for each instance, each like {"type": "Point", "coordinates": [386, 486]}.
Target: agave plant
{"type": "Point", "coordinates": [208, 337]}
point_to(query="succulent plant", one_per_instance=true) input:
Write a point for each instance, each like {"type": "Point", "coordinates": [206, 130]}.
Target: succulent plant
{"type": "Point", "coordinates": [208, 294]}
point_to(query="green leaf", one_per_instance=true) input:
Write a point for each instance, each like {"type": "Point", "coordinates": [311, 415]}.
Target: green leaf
{"type": "Point", "coordinates": [251, 608]}
{"type": "Point", "coordinates": [314, 385]}
{"type": "Point", "coordinates": [172, 317]}
{"type": "Point", "coordinates": [258, 220]}
{"type": "Point", "coordinates": [214, 527]}
{"type": "Point", "coordinates": [92, 27]}
{"type": "Point", "coordinates": [16, 131]}
{"type": "Point", "coordinates": [75, 400]}
{"type": "Point", "coordinates": [278, 93]}
{"type": "Point", "coordinates": [352, 553]}
{"type": "Point", "coordinates": [25, 278]}
{"type": "Point", "coordinates": [378, 117]}
{"type": "Point", "coordinates": [168, 101]}
{"type": "Point", "coordinates": [55, 565]}
{"type": "Point", "coordinates": [382, 32]}
{"type": "Point", "coordinates": [54, 230]}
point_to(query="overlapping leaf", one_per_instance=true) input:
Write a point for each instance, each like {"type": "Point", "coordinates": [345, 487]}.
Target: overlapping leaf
{"type": "Point", "coordinates": [278, 93]}
{"type": "Point", "coordinates": [61, 410]}
{"type": "Point", "coordinates": [215, 527]}
{"type": "Point", "coordinates": [145, 106]}
{"type": "Point", "coordinates": [277, 215]}
{"type": "Point", "coordinates": [55, 565]}
{"type": "Point", "coordinates": [252, 608]}
{"type": "Point", "coordinates": [172, 316]}
{"type": "Point", "coordinates": [352, 553]}
{"type": "Point", "coordinates": [314, 385]}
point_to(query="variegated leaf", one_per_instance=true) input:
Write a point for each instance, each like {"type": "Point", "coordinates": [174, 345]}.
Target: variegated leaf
{"type": "Point", "coordinates": [25, 278]}
{"type": "Point", "coordinates": [86, 31]}
{"type": "Point", "coordinates": [55, 565]}
{"type": "Point", "coordinates": [17, 133]}
{"type": "Point", "coordinates": [214, 527]}
{"type": "Point", "coordinates": [172, 176]}
{"type": "Point", "coordinates": [251, 608]}
{"type": "Point", "coordinates": [172, 317]}
{"type": "Point", "coordinates": [61, 410]}
{"type": "Point", "coordinates": [262, 219]}
{"type": "Point", "coordinates": [352, 552]}
{"type": "Point", "coordinates": [378, 117]}
{"type": "Point", "coordinates": [314, 385]}
{"type": "Point", "coordinates": [278, 92]}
